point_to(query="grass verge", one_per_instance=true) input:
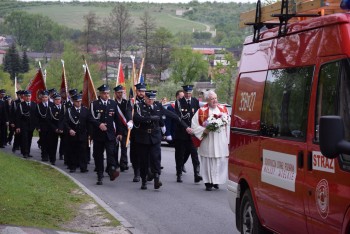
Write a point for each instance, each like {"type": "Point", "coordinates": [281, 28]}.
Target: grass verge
{"type": "Point", "coordinates": [37, 195]}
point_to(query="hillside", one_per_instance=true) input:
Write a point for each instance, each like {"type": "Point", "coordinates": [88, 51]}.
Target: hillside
{"type": "Point", "coordinates": [215, 15]}
{"type": "Point", "coordinates": [72, 15]}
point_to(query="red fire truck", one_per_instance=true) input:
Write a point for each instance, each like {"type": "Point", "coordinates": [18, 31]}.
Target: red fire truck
{"type": "Point", "coordinates": [289, 162]}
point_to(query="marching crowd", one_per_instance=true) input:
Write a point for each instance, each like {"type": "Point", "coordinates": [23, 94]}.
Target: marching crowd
{"type": "Point", "coordinates": [104, 127]}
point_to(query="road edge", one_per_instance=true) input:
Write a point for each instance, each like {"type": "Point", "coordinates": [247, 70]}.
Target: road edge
{"type": "Point", "coordinates": [103, 204]}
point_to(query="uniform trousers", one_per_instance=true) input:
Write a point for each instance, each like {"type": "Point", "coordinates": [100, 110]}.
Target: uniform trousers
{"type": "Point", "coordinates": [52, 145]}
{"type": "Point", "coordinates": [76, 154]}
{"type": "Point", "coordinates": [98, 149]}
{"type": "Point", "coordinates": [10, 134]}
{"type": "Point", "coordinates": [183, 149]}
{"type": "Point", "coordinates": [149, 156]}
{"type": "Point", "coordinates": [44, 144]}
{"type": "Point", "coordinates": [3, 134]}
{"type": "Point", "coordinates": [26, 141]}
{"type": "Point", "coordinates": [123, 152]}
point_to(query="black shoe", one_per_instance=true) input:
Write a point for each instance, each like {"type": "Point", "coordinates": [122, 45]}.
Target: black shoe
{"type": "Point", "coordinates": [157, 182]}
{"type": "Point", "coordinates": [136, 179]}
{"type": "Point", "coordinates": [208, 186]}
{"type": "Point", "coordinates": [144, 185]}
{"type": "Point", "coordinates": [52, 163]}
{"type": "Point", "coordinates": [216, 186]}
{"type": "Point", "coordinates": [197, 178]}
{"type": "Point", "coordinates": [99, 182]}
{"type": "Point", "coordinates": [44, 160]}
{"type": "Point", "coordinates": [113, 173]}
{"type": "Point", "coordinates": [25, 156]}
{"type": "Point", "coordinates": [30, 156]}
{"type": "Point", "coordinates": [2, 146]}
{"type": "Point", "coordinates": [179, 179]}
{"type": "Point", "coordinates": [72, 170]}
{"type": "Point", "coordinates": [84, 170]}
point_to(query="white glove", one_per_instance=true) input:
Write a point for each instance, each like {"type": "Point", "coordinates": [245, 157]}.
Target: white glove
{"type": "Point", "coordinates": [163, 129]}
{"type": "Point", "coordinates": [130, 124]}
{"type": "Point", "coordinates": [168, 138]}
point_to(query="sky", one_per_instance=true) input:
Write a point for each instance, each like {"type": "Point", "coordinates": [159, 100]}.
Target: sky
{"type": "Point", "coordinates": [157, 1]}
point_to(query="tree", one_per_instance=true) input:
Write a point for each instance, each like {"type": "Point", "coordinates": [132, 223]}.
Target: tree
{"type": "Point", "coordinates": [121, 24]}
{"type": "Point", "coordinates": [224, 77]}
{"type": "Point", "coordinates": [105, 40]}
{"type": "Point", "coordinates": [73, 66]}
{"type": "Point", "coordinates": [145, 32]}
{"type": "Point", "coordinates": [25, 62]}
{"type": "Point", "coordinates": [91, 24]}
{"type": "Point", "coordinates": [160, 44]}
{"type": "Point", "coordinates": [187, 66]}
{"type": "Point", "coordinates": [12, 62]}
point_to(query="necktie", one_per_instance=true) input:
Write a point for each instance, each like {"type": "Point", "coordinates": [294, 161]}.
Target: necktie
{"type": "Point", "coordinates": [78, 110]}
{"type": "Point", "coordinates": [28, 103]}
{"type": "Point", "coordinates": [105, 103]}
{"type": "Point", "coordinates": [59, 107]}
{"type": "Point", "coordinates": [189, 102]}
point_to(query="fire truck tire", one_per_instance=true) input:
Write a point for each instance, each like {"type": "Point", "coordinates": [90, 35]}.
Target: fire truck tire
{"type": "Point", "coordinates": [250, 223]}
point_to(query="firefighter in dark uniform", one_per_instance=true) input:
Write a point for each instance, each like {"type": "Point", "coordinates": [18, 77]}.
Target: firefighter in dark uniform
{"type": "Point", "coordinates": [4, 120]}
{"type": "Point", "coordinates": [51, 93]}
{"type": "Point", "coordinates": [66, 104]}
{"type": "Point", "coordinates": [105, 132]}
{"type": "Point", "coordinates": [76, 121]}
{"type": "Point", "coordinates": [42, 114]}
{"type": "Point", "coordinates": [55, 119]}
{"type": "Point", "coordinates": [14, 106]}
{"type": "Point", "coordinates": [124, 111]}
{"type": "Point", "coordinates": [26, 122]}
{"type": "Point", "coordinates": [134, 158]}
{"type": "Point", "coordinates": [185, 108]}
{"type": "Point", "coordinates": [148, 120]}
{"type": "Point", "coordinates": [8, 132]}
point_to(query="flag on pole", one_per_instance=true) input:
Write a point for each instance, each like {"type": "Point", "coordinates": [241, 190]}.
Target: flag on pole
{"type": "Point", "coordinates": [142, 80]}
{"type": "Point", "coordinates": [36, 85]}
{"type": "Point", "coordinates": [64, 86]}
{"type": "Point", "coordinates": [15, 85]}
{"type": "Point", "coordinates": [140, 72]}
{"type": "Point", "coordinates": [89, 93]}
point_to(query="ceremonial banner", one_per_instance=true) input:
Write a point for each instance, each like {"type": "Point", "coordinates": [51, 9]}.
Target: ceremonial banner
{"type": "Point", "coordinates": [89, 93]}
{"type": "Point", "coordinates": [36, 85]}
{"type": "Point", "coordinates": [64, 86]}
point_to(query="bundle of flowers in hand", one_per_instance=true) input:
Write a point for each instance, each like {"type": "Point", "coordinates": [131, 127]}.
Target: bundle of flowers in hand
{"type": "Point", "coordinates": [214, 123]}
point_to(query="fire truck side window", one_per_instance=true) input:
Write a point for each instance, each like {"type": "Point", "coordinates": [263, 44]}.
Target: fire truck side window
{"type": "Point", "coordinates": [285, 103]}
{"type": "Point", "coordinates": [333, 98]}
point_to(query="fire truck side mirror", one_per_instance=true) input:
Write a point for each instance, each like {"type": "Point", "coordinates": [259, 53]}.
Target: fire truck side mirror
{"type": "Point", "coordinates": [332, 141]}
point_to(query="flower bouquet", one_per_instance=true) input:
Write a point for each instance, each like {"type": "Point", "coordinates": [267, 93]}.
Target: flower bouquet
{"type": "Point", "coordinates": [212, 124]}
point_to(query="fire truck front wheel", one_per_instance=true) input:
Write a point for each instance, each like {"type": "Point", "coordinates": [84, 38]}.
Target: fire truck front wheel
{"type": "Point", "coordinates": [250, 223]}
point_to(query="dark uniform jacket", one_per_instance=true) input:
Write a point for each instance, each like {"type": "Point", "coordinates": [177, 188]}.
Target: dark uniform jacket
{"type": "Point", "coordinates": [147, 122]}
{"type": "Point", "coordinates": [55, 117]}
{"type": "Point", "coordinates": [3, 112]}
{"type": "Point", "coordinates": [186, 113]}
{"type": "Point", "coordinates": [77, 122]}
{"type": "Point", "coordinates": [13, 110]}
{"type": "Point", "coordinates": [125, 108]}
{"type": "Point", "coordinates": [42, 115]}
{"type": "Point", "coordinates": [26, 116]}
{"type": "Point", "coordinates": [105, 114]}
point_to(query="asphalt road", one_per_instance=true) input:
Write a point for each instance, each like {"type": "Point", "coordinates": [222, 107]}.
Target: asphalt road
{"type": "Point", "coordinates": [174, 208]}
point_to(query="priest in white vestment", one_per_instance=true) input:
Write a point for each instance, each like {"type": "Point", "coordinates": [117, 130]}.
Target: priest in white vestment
{"type": "Point", "coordinates": [213, 150]}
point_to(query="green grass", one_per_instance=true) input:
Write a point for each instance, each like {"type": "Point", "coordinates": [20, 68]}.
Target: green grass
{"type": "Point", "coordinates": [33, 194]}
{"type": "Point", "coordinates": [72, 16]}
